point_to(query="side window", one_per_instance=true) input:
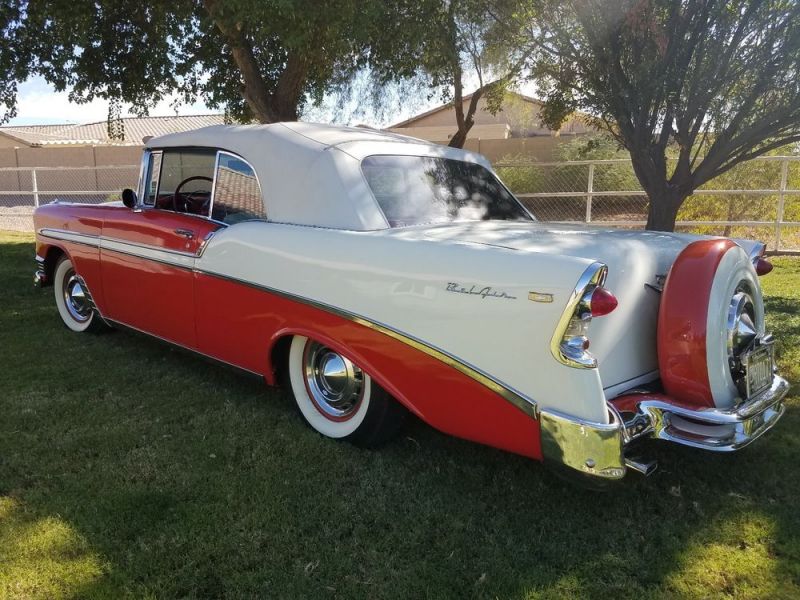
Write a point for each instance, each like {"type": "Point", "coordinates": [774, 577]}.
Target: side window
{"type": "Point", "coordinates": [186, 180]}
{"type": "Point", "coordinates": [151, 179]}
{"type": "Point", "coordinates": [237, 195]}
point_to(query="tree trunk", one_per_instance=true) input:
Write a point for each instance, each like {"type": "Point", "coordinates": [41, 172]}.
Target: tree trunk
{"type": "Point", "coordinates": [459, 139]}
{"type": "Point", "coordinates": [464, 122]}
{"type": "Point", "coordinates": [662, 211]}
{"type": "Point", "coordinates": [665, 195]}
{"type": "Point", "coordinates": [284, 103]}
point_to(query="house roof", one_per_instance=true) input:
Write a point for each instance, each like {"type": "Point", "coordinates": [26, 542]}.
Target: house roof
{"type": "Point", "coordinates": [449, 105]}
{"type": "Point", "coordinates": [134, 129]}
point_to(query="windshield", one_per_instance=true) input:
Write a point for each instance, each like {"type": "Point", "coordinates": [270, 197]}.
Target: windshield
{"type": "Point", "coordinates": [415, 190]}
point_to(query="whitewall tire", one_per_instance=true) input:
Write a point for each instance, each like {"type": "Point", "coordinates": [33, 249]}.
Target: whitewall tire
{"type": "Point", "coordinates": [73, 299]}
{"type": "Point", "coordinates": [338, 399]}
{"type": "Point", "coordinates": [735, 276]}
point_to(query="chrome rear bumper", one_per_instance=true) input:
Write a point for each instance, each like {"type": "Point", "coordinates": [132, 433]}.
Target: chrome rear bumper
{"type": "Point", "coordinates": [599, 451]}
{"type": "Point", "coordinates": [709, 429]}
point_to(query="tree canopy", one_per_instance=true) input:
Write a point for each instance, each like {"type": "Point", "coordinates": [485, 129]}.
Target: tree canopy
{"type": "Point", "coordinates": [257, 59]}
{"type": "Point", "coordinates": [709, 82]}
{"type": "Point", "coordinates": [449, 43]}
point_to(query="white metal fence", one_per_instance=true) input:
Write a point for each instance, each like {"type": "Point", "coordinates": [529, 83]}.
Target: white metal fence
{"type": "Point", "coordinates": [759, 199]}
{"type": "Point", "coordinates": [22, 189]}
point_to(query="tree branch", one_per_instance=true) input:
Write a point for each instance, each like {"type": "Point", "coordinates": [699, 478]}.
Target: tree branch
{"type": "Point", "coordinates": [254, 91]}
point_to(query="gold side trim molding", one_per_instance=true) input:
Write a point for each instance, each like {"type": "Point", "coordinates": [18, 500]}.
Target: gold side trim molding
{"type": "Point", "coordinates": [519, 400]}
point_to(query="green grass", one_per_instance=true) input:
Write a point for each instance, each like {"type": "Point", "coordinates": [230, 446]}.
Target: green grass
{"type": "Point", "coordinates": [130, 469]}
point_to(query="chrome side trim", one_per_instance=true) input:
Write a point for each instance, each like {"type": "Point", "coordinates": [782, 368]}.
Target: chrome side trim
{"type": "Point", "coordinates": [181, 346]}
{"type": "Point", "coordinates": [87, 239]}
{"type": "Point", "coordinates": [186, 265]}
{"type": "Point", "coordinates": [518, 399]}
{"type": "Point", "coordinates": [592, 449]}
{"type": "Point", "coordinates": [109, 243]}
{"type": "Point", "coordinates": [595, 274]}
{"type": "Point", "coordinates": [185, 260]}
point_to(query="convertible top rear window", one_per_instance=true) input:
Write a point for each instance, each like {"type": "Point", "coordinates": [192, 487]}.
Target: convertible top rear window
{"type": "Point", "coordinates": [416, 190]}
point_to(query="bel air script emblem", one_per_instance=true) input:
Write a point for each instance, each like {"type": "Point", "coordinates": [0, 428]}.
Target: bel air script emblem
{"type": "Point", "coordinates": [484, 292]}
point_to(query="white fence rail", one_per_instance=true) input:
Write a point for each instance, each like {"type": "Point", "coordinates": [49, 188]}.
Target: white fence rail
{"type": "Point", "coordinates": [22, 189]}
{"type": "Point", "coordinates": [759, 199]}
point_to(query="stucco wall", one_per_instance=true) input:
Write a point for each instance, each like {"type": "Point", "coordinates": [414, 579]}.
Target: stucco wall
{"type": "Point", "coordinates": [520, 114]}
{"type": "Point", "coordinates": [7, 142]}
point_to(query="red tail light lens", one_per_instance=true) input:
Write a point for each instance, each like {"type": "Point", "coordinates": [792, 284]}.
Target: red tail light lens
{"type": "Point", "coordinates": [763, 266]}
{"type": "Point", "coordinates": [603, 302]}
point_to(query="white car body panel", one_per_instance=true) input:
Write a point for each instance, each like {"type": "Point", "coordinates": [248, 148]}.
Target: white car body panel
{"type": "Point", "coordinates": [402, 284]}
{"type": "Point", "coordinates": [625, 357]}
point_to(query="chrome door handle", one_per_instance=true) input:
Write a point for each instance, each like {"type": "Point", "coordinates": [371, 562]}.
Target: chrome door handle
{"type": "Point", "coordinates": [187, 233]}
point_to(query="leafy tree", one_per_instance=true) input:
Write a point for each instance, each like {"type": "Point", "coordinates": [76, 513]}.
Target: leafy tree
{"type": "Point", "coordinates": [258, 59]}
{"type": "Point", "coordinates": [450, 42]}
{"type": "Point", "coordinates": [716, 79]}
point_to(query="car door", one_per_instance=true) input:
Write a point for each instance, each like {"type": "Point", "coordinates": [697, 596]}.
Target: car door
{"type": "Point", "coordinates": [148, 253]}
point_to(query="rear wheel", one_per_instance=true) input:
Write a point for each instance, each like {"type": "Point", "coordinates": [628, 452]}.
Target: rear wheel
{"type": "Point", "coordinates": [73, 300]}
{"type": "Point", "coordinates": [338, 399]}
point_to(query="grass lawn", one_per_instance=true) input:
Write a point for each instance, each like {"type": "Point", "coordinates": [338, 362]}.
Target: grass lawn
{"type": "Point", "coordinates": [130, 469]}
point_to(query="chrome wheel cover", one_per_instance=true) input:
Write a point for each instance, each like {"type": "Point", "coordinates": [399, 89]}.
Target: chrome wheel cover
{"type": "Point", "coordinates": [742, 328]}
{"type": "Point", "coordinates": [75, 298]}
{"type": "Point", "coordinates": [334, 384]}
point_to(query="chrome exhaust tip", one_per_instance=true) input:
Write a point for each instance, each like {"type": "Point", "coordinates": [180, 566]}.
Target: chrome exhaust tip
{"type": "Point", "coordinates": [646, 468]}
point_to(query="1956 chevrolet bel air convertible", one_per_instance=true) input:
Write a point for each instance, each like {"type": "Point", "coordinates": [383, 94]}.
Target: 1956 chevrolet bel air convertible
{"type": "Point", "coordinates": [377, 274]}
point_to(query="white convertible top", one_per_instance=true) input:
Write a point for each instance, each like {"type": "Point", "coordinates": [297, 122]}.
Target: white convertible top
{"type": "Point", "coordinates": [310, 174]}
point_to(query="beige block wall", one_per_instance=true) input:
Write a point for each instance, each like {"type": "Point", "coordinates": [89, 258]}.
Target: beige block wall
{"type": "Point", "coordinates": [540, 148]}
{"type": "Point", "coordinates": [68, 179]}
{"type": "Point", "coordinates": [73, 156]}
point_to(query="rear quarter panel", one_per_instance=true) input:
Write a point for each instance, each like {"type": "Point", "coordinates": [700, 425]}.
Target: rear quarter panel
{"type": "Point", "coordinates": [403, 284]}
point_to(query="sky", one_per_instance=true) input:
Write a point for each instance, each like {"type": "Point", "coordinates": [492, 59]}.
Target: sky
{"type": "Point", "coordinates": [39, 104]}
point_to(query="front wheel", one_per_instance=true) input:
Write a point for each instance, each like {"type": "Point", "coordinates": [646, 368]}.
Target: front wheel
{"type": "Point", "coordinates": [73, 300]}
{"type": "Point", "coordinates": [338, 399]}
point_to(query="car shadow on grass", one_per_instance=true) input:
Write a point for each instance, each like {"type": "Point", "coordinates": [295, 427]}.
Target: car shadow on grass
{"type": "Point", "coordinates": [170, 477]}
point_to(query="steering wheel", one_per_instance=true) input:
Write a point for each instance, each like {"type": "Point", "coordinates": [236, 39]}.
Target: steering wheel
{"type": "Point", "coordinates": [181, 200]}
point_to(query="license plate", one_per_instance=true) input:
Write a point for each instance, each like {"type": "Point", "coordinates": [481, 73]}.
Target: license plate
{"type": "Point", "coordinates": [759, 371]}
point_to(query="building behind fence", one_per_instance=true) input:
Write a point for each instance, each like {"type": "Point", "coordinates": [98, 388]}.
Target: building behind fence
{"type": "Point", "coordinates": [759, 199]}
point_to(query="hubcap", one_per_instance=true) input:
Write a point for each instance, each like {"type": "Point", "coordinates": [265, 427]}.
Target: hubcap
{"type": "Point", "coordinates": [76, 298]}
{"type": "Point", "coordinates": [334, 383]}
{"type": "Point", "coordinates": [741, 323]}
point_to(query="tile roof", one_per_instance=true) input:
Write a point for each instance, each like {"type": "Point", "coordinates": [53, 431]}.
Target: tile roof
{"type": "Point", "coordinates": [135, 128]}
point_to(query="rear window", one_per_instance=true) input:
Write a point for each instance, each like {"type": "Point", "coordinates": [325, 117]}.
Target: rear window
{"type": "Point", "coordinates": [416, 190]}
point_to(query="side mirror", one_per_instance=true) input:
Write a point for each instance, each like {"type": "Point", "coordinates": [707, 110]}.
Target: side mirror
{"type": "Point", "coordinates": [129, 197]}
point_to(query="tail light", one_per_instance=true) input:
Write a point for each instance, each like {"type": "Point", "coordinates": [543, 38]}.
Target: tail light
{"type": "Point", "coordinates": [760, 263]}
{"type": "Point", "coordinates": [763, 266]}
{"type": "Point", "coordinates": [570, 343]}
{"type": "Point", "coordinates": [602, 302]}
